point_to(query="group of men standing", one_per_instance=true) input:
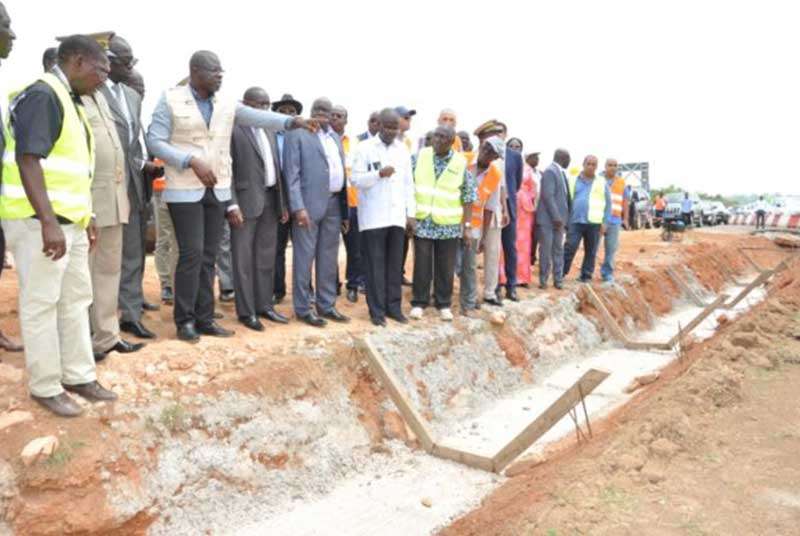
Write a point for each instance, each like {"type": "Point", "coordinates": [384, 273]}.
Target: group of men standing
{"type": "Point", "coordinates": [75, 194]}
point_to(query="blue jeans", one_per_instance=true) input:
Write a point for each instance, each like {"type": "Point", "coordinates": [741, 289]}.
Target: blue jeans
{"type": "Point", "coordinates": [589, 233]}
{"type": "Point", "coordinates": [611, 244]}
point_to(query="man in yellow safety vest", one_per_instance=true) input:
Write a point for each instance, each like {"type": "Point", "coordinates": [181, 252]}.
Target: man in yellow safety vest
{"type": "Point", "coordinates": [591, 210]}
{"type": "Point", "coordinates": [46, 208]}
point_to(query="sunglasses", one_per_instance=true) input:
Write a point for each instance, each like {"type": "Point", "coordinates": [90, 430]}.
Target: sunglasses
{"type": "Point", "coordinates": [125, 62]}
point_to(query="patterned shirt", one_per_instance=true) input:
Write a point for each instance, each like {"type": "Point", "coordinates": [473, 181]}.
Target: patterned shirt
{"type": "Point", "coordinates": [469, 194]}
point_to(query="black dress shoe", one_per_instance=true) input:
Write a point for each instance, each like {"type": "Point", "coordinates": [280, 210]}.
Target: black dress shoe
{"type": "Point", "coordinates": [543, 286]}
{"type": "Point", "coordinates": [398, 318]}
{"type": "Point", "coordinates": [493, 301]}
{"type": "Point", "coordinates": [511, 294]}
{"type": "Point", "coordinates": [274, 316]}
{"type": "Point", "coordinates": [214, 330]}
{"type": "Point", "coordinates": [335, 315]}
{"type": "Point", "coordinates": [92, 391]}
{"type": "Point", "coordinates": [167, 296]}
{"type": "Point", "coordinates": [352, 295]}
{"type": "Point", "coordinates": [99, 356]}
{"type": "Point", "coordinates": [380, 322]}
{"type": "Point", "coordinates": [147, 306]}
{"type": "Point", "coordinates": [125, 347]}
{"type": "Point", "coordinates": [187, 332]}
{"type": "Point", "coordinates": [138, 329]}
{"type": "Point", "coordinates": [251, 322]}
{"type": "Point", "coordinates": [559, 285]}
{"type": "Point", "coordinates": [227, 296]}
{"type": "Point", "coordinates": [313, 320]}
{"type": "Point", "coordinates": [62, 404]}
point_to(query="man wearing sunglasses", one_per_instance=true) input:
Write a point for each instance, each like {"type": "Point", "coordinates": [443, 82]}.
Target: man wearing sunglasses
{"type": "Point", "coordinates": [127, 270]}
{"type": "Point", "coordinates": [191, 132]}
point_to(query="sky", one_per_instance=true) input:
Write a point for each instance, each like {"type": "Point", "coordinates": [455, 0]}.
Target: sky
{"type": "Point", "coordinates": [705, 91]}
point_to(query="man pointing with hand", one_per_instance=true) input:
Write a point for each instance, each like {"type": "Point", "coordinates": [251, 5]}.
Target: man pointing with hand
{"type": "Point", "coordinates": [191, 132]}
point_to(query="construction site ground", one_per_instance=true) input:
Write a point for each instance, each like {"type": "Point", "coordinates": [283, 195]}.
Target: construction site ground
{"type": "Point", "coordinates": [214, 437]}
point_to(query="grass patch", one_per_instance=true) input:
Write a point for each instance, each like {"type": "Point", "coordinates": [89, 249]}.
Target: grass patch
{"type": "Point", "coordinates": [64, 453]}
{"type": "Point", "coordinates": [175, 418]}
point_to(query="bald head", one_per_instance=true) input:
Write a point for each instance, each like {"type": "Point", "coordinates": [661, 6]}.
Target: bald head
{"type": "Point", "coordinates": [205, 72]}
{"type": "Point", "coordinates": [611, 168]}
{"type": "Point", "coordinates": [561, 157]}
{"type": "Point", "coordinates": [447, 118]}
{"type": "Point", "coordinates": [121, 59]}
{"type": "Point", "coordinates": [443, 137]}
{"type": "Point", "coordinates": [589, 166]}
{"type": "Point", "coordinates": [389, 125]}
{"type": "Point", "coordinates": [256, 97]}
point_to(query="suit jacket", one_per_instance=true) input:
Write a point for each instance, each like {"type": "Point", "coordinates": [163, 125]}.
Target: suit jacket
{"type": "Point", "coordinates": [554, 203]}
{"type": "Point", "coordinates": [247, 189]}
{"type": "Point", "coordinates": [139, 190]}
{"type": "Point", "coordinates": [306, 173]}
{"type": "Point", "coordinates": [514, 170]}
{"type": "Point", "coordinates": [109, 189]}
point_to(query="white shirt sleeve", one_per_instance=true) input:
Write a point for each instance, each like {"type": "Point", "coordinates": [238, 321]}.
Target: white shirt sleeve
{"type": "Point", "coordinates": [361, 176]}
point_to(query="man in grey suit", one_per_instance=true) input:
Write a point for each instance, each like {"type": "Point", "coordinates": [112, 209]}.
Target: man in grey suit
{"type": "Point", "coordinates": [259, 193]}
{"type": "Point", "coordinates": [551, 218]}
{"type": "Point", "coordinates": [314, 171]}
{"type": "Point", "coordinates": [126, 108]}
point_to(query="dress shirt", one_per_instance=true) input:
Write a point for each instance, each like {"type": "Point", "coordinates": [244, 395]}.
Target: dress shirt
{"type": "Point", "coordinates": [160, 131]}
{"type": "Point", "coordinates": [119, 94]}
{"type": "Point", "coordinates": [686, 206]}
{"type": "Point", "coordinates": [335, 168]}
{"type": "Point", "coordinates": [383, 202]}
{"type": "Point", "coordinates": [266, 152]}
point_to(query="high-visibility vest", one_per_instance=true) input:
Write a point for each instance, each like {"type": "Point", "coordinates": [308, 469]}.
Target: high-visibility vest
{"type": "Point", "coordinates": [352, 191]}
{"type": "Point", "coordinates": [439, 198]}
{"type": "Point", "coordinates": [617, 187]}
{"type": "Point", "coordinates": [68, 169]}
{"type": "Point", "coordinates": [489, 184]}
{"type": "Point", "coordinates": [597, 199]}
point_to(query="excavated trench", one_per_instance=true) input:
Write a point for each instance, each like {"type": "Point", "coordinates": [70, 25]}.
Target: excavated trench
{"type": "Point", "coordinates": [328, 452]}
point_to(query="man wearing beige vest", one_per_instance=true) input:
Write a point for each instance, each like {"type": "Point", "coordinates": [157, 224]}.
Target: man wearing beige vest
{"type": "Point", "coordinates": [191, 132]}
{"type": "Point", "coordinates": [111, 207]}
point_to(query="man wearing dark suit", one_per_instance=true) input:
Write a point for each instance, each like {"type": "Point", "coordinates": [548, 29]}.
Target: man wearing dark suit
{"type": "Point", "coordinates": [552, 218]}
{"type": "Point", "coordinates": [514, 167]}
{"type": "Point", "coordinates": [126, 108]}
{"type": "Point", "coordinates": [259, 193]}
{"type": "Point", "coordinates": [373, 125]}
{"type": "Point", "coordinates": [314, 171]}
{"type": "Point", "coordinates": [289, 106]}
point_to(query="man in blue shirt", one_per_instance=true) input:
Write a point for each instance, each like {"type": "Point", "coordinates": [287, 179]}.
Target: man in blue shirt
{"type": "Point", "coordinates": [687, 206]}
{"type": "Point", "coordinates": [583, 221]}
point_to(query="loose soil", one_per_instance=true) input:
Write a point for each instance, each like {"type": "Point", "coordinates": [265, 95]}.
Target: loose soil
{"type": "Point", "coordinates": [710, 448]}
{"type": "Point", "coordinates": [69, 494]}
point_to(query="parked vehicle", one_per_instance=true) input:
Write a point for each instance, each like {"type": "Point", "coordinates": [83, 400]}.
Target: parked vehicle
{"type": "Point", "coordinates": [716, 213]}
{"type": "Point", "coordinates": [643, 217]}
{"type": "Point", "coordinates": [673, 210]}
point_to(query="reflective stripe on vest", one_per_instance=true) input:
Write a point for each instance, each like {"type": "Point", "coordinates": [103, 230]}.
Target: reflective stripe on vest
{"type": "Point", "coordinates": [439, 198]}
{"type": "Point", "coordinates": [597, 199]}
{"type": "Point", "coordinates": [68, 169]}
{"type": "Point", "coordinates": [617, 188]}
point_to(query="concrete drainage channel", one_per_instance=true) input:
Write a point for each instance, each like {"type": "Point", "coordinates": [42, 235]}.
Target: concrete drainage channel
{"type": "Point", "coordinates": [309, 467]}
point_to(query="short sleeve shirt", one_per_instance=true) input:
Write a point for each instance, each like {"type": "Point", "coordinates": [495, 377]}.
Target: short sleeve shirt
{"type": "Point", "coordinates": [36, 117]}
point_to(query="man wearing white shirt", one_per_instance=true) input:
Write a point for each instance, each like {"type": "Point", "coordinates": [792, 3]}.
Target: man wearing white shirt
{"type": "Point", "coordinates": [259, 194]}
{"type": "Point", "coordinates": [386, 207]}
{"type": "Point", "coordinates": [125, 105]}
{"type": "Point", "coordinates": [761, 213]}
